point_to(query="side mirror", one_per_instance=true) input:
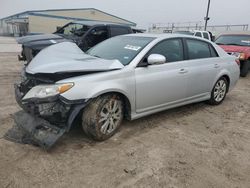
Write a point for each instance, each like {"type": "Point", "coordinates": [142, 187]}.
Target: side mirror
{"type": "Point", "coordinates": [58, 28]}
{"type": "Point", "coordinates": [94, 32]}
{"type": "Point", "coordinates": [154, 59]}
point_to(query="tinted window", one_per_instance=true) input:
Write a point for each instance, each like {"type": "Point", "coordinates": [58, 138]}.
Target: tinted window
{"type": "Point", "coordinates": [213, 52]}
{"type": "Point", "coordinates": [118, 31]}
{"type": "Point", "coordinates": [122, 48]}
{"type": "Point", "coordinates": [198, 34]}
{"type": "Point", "coordinates": [205, 35]}
{"type": "Point", "coordinates": [96, 36]}
{"type": "Point", "coordinates": [172, 49]}
{"type": "Point", "coordinates": [198, 49]}
{"type": "Point", "coordinates": [73, 29]}
{"type": "Point", "coordinates": [240, 40]}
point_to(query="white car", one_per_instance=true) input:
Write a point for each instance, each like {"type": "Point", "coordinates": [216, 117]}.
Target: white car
{"type": "Point", "coordinates": [203, 34]}
{"type": "Point", "coordinates": [126, 76]}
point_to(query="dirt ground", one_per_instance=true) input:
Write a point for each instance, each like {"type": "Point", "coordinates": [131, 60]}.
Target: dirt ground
{"type": "Point", "coordinates": [193, 146]}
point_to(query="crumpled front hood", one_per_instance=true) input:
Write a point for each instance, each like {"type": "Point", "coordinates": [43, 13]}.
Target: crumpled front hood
{"type": "Point", "coordinates": [68, 57]}
{"type": "Point", "coordinates": [32, 38]}
{"type": "Point", "coordinates": [38, 42]}
{"type": "Point", "coordinates": [233, 48]}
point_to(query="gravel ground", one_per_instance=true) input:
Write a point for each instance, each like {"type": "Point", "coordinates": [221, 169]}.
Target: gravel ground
{"type": "Point", "coordinates": [193, 146]}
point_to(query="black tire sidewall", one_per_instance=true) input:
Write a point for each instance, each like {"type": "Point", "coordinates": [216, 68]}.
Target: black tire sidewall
{"type": "Point", "coordinates": [244, 68]}
{"type": "Point", "coordinates": [212, 99]}
{"type": "Point", "coordinates": [91, 125]}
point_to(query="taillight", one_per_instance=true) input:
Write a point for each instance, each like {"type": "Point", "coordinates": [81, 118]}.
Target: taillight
{"type": "Point", "coordinates": [237, 61]}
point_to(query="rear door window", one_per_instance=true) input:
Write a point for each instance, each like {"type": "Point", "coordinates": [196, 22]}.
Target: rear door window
{"type": "Point", "coordinates": [213, 51]}
{"type": "Point", "coordinates": [198, 49]}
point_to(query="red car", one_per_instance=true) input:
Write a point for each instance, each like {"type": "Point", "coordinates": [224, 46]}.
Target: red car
{"type": "Point", "coordinates": [239, 46]}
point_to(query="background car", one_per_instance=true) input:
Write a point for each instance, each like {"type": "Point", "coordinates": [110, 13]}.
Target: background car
{"type": "Point", "coordinates": [126, 76]}
{"type": "Point", "coordinates": [239, 46]}
{"type": "Point", "coordinates": [85, 34]}
{"type": "Point", "coordinates": [203, 34]}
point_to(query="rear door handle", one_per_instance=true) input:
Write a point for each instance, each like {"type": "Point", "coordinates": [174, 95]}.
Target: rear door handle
{"type": "Point", "coordinates": [216, 65]}
{"type": "Point", "coordinates": [183, 71]}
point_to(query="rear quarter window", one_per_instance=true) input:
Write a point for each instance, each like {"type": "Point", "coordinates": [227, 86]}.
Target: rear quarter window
{"type": "Point", "coordinates": [198, 49]}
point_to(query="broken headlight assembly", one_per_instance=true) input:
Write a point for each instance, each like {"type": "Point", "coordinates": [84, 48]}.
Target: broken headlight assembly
{"type": "Point", "coordinates": [45, 91]}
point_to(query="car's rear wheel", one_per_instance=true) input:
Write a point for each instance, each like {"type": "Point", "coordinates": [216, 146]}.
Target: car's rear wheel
{"type": "Point", "coordinates": [219, 91]}
{"type": "Point", "coordinates": [102, 117]}
{"type": "Point", "coordinates": [244, 68]}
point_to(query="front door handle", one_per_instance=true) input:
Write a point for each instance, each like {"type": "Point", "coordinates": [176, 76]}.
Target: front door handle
{"type": "Point", "coordinates": [216, 65]}
{"type": "Point", "coordinates": [183, 71]}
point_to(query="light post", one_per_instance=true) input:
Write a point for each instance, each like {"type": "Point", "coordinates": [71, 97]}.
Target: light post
{"type": "Point", "coordinates": [207, 18]}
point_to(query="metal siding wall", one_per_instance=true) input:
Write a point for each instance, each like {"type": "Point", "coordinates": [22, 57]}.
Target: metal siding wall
{"type": "Point", "coordinates": [87, 14]}
{"type": "Point", "coordinates": [39, 24]}
{"type": "Point", "coordinates": [6, 29]}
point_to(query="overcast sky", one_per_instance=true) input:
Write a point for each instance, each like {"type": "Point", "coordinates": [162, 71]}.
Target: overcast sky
{"type": "Point", "coordinates": [145, 12]}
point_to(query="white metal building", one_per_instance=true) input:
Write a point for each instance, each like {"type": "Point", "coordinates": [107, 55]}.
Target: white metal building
{"type": "Point", "coordinates": [46, 21]}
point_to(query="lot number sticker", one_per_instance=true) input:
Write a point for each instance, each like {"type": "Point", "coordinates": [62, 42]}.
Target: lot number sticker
{"type": "Point", "coordinates": [131, 47]}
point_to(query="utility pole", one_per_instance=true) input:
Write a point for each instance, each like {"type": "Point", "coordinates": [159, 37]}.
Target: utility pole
{"type": "Point", "coordinates": [207, 18]}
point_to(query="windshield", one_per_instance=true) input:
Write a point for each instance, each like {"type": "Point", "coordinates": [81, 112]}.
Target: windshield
{"type": "Point", "coordinates": [122, 48]}
{"type": "Point", "coordinates": [239, 40]}
{"type": "Point", "coordinates": [72, 29]}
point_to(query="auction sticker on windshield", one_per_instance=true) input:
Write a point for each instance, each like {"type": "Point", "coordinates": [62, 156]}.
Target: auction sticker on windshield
{"type": "Point", "coordinates": [246, 41]}
{"type": "Point", "coordinates": [131, 47]}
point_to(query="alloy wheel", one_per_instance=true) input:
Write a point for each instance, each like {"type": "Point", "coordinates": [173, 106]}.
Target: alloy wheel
{"type": "Point", "coordinates": [220, 90]}
{"type": "Point", "coordinates": [110, 116]}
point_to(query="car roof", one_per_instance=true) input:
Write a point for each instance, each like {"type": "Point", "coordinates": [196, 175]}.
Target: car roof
{"type": "Point", "coordinates": [92, 23]}
{"type": "Point", "coordinates": [166, 35]}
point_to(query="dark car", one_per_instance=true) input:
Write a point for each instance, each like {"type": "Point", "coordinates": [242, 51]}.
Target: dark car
{"type": "Point", "coordinates": [85, 34]}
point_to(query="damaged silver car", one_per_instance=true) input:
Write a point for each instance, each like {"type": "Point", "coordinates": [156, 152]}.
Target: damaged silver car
{"type": "Point", "coordinates": [128, 76]}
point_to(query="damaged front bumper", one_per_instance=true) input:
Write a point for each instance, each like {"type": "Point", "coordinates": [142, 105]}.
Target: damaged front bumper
{"type": "Point", "coordinates": [30, 129]}
{"type": "Point", "coordinates": [42, 122]}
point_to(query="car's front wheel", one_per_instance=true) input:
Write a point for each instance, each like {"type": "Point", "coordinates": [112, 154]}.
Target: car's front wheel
{"type": "Point", "coordinates": [102, 117]}
{"type": "Point", "coordinates": [219, 91]}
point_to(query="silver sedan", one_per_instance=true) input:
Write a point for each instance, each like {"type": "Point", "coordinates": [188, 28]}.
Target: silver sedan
{"type": "Point", "coordinates": [126, 76]}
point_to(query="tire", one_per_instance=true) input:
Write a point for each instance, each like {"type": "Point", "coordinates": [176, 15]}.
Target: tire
{"type": "Point", "coordinates": [102, 117]}
{"type": "Point", "coordinates": [244, 68]}
{"type": "Point", "coordinates": [219, 91]}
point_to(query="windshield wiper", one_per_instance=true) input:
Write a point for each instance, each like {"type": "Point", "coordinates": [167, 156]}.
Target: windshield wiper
{"type": "Point", "coordinates": [95, 56]}
{"type": "Point", "coordinates": [219, 43]}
